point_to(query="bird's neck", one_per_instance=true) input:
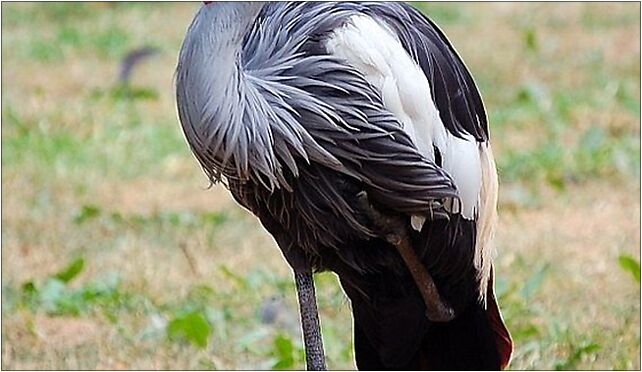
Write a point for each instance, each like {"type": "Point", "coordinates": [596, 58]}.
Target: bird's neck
{"type": "Point", "coordinates": [227, 22]}
{"type": "Point", "coordinates": [212, 91]}
{"type": "Point", "coordinates": [215, 39]}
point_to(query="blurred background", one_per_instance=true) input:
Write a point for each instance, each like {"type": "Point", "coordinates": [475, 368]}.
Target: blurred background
{"type": "Point", "coordinates": [115, 255]}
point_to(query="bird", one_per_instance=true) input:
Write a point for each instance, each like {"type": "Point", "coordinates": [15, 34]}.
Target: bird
{"type": "Point", "coordinates": [357, 136]}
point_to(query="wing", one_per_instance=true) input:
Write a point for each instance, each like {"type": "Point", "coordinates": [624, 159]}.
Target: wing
{"type": "Point", "coordinates": [320, 108]}
{"type": "Point", "coordinates": [463, 141]}
{"type": "Point", "coordinates": [452, 86]}
{"type": "Point", "coordinates": [323, 105]}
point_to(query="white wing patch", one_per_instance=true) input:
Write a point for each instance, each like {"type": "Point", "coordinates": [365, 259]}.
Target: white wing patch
{"type": "Point", "coordinates": [373, 49]}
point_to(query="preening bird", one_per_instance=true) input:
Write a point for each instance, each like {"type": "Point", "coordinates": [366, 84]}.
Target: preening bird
{"type": "Point", "coordinates": [357, 136]}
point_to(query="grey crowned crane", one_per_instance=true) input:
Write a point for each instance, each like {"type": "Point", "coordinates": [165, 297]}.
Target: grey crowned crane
{"type": "Point", "coordinates": [357, 136]}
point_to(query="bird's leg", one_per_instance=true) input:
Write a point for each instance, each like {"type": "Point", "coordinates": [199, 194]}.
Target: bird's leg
{"type": "Point", "coordinates": [395, 230]}
{"type": "Point", "coordinates": [314, 354]}
{"type": "Point", "coordinates": [437, 310]}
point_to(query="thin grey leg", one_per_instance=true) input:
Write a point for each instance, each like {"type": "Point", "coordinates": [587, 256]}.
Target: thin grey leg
{"type": "Point", "coordinates": [314, 354]}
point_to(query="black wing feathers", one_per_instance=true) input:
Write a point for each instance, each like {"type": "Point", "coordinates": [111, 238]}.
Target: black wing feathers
{"type": "Point", "coordinates": [314, 217]}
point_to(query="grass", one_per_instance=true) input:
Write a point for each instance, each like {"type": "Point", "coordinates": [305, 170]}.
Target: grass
{"type": "Point", "coordinates": [116, 256]}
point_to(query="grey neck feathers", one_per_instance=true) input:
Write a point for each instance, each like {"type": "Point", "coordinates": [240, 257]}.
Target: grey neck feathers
{"type": "Point", "coordinates": [215, 99]}
{"type": "Point", "coordinates": [241, 88]}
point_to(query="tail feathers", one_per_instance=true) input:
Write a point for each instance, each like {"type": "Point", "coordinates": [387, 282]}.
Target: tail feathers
{"type": "Point", "coordinates": [476, 339]}
{"type": "Point", "coordinates": [466, 343]}
{"type": "Point", "coordinates": [503, 340]}
{"type": "Point", "coordinates": [387, 331]}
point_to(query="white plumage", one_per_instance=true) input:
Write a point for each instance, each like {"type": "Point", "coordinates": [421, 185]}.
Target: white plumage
{"type": "Point", "coordinates": [370, 47]}
{"type": "Point", "coordinates": [374, 50]}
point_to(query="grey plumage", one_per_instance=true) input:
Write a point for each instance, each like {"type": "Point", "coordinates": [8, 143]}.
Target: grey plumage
{"type": "Point", "coordinates": [277, 104]}
{"type": "Point", "coordinates": [296, 134]}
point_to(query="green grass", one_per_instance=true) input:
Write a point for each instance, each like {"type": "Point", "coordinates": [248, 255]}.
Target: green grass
{"type": "Point", "coordinates": [115, 255]}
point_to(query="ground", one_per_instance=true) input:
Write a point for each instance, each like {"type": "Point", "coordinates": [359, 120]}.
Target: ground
{"type": "Point", "coordinates": [115, 254]}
